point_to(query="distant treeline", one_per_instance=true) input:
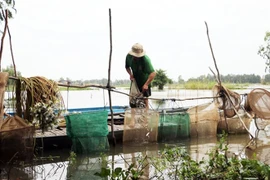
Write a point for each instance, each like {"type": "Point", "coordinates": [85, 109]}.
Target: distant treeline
{"type": "Point", "coordinates": [230, 78]}
{"type": "Point", "coordinates": [104, 82]}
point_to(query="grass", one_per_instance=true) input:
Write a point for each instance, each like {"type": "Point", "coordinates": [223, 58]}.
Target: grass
{"type": "Point", "coordinates": [205, 85]}
{"type": "Point", "coordinates": [193, 85]}
{"type": "Point", "coordinates": [177, 163]}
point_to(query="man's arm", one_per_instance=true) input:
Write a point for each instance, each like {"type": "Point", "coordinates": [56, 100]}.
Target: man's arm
{"type": "Point", "coordinates": [149, 80]}
{"type": "Point", "coordinates": [131, 77]}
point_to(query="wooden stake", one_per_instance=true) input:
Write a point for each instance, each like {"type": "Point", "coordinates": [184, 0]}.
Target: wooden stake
{"type": "Point", "coordinates": [109, 80]}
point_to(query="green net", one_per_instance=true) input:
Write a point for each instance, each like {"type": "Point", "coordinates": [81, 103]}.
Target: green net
{"type": "Point", "coordinates": [87, 145]}
{"type": "Point", "coordinates": [88, 131]}
{"type": "Point", "coordinates": [87, 124]}
{"type": "Point", "coordinates": [173, 126]}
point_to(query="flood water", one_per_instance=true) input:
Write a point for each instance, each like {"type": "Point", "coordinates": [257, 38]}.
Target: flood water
{"type": "Point", "coordinates": [120, 155]}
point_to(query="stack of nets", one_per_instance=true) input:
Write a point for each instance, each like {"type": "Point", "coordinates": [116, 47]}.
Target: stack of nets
{"type": "Point", "coordinates": [228, 100]}
{"type": "Point", "coordinates": [16, 139]}
{"type": "Point", "coordinates": [257, 103]}
{"type": "Point", "coordinates": [233, 118]}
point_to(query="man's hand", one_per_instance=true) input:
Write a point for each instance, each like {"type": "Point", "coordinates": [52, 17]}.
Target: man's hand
{"type": "Point", "coordinates": [131, 77]}
{"type": "Point", "coordinates": [145, 88]}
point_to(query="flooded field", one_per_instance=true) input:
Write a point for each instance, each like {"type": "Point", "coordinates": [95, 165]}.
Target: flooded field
{"type": "Point", "coordinates": [61, 164]}
{"type": "Point", "coordinates": [57, 164]}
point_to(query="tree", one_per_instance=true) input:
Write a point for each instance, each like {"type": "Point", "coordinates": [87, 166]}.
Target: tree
{"type": "Point", "coordinates": [264, 51]}
{"type": "Point", "coordinates": [7, 7]}
{"type": "Point", "coordinates": [181, 80]}
{"type": "Point", "coordinates": [267, 78]}
{"type": "Point", "coordinates": [161, 79]}
{"type": "Point", "coordinates": [11, 71]}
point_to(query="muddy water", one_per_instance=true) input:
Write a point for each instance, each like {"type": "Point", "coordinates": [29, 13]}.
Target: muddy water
{"type": "Point", "coordinates": [239, 145]}
{"type": "Point", "coordinates": [123, 155]}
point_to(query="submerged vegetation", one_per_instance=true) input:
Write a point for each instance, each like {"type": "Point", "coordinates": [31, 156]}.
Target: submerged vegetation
{"type": "Point", "coordinates": [176, 163]}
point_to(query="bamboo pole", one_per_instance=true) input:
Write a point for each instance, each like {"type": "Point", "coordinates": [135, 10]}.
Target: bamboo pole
{"type": "Point", "coordinates": [11, 51]}
{"type": "Point", "coordinates": [226, 92]}
{"type": "Point", "coordinates": [218, 75]}
{"type": "Point", "coordinates": [109, 80]}
{"type": "Point", "coordinates": [212, 52]}
{"type": "Point", "coordinates": [5, 13]}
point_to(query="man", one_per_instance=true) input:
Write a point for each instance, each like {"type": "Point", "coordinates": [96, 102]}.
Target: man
{"type": "Point", "coordinates": [139, 67]}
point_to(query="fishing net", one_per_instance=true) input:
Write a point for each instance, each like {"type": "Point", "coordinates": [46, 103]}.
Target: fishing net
{"type": "Point", "coordinates": [135, 96]}
{"type": "Point", "coordinates": [203, 120]}
{"type": "Point", "coordinates": [227, 100]}
{"type": "Point", "coordinates": [173, 126]}
{"type": "Point", "coordinates": [88, 131]}
{"type": "Point", "coordinates": [16, 139]}
{"type": "Point", "coordinates": [258, 102]}
{"type": "Point", "coordinates": [140, 125]}
{"type": "Point", "coordinates": [234, 125]}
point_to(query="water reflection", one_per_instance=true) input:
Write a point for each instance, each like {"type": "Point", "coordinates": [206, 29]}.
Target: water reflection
{"type": "Point", "coordinates": [123, 155]}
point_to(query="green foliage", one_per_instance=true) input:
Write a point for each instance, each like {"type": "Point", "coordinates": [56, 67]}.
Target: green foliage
{"type": "Point", "coordinates": [8, 5]}
{"type": "Point", "coordinates": [267, 79]}
{"type": "Point", "coordinates": [199, 85]}
{"type": "Point", "coordinates": [208, 79]}
{"type": "Point", "coordinates": [161, 79]}
{"type": "Point", "coordinates": [230, 78]}
{"type": "Point", "coordinates": [210, 85]}
{"type": "Point", "coordinates": [132, 172]}
{"type": "Point", "coordinates": [264, 51]}
{"type": "Point", "coordinates": [11, 71]}
{"type": "Point", "coordinates": [180, 80]}
{"type": "Point", "coordinates": [72, 158]}
{"type": "Point", "coordinates": [176, 163]}
{"type": "Point", "coordinates": [120, 173]}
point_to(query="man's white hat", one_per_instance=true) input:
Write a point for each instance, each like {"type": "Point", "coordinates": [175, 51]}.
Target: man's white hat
{"type": "Point", "coordinates": [137, 50]}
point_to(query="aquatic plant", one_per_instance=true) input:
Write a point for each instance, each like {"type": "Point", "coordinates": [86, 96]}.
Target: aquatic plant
{"type": "Point", "coordinates": [45, 114]}
{"type": "Point", "coordinates": [34, 94]}
{"type": "Point", "coordinates": [176, 163]}
{"type": "Point", "coordinates": [133, 172]}
{"type": "Point", "coordinates": [72, 158]}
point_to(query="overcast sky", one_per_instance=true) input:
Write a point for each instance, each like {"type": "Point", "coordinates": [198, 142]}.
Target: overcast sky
{"type": "Point", "coordinates": [71, 39]}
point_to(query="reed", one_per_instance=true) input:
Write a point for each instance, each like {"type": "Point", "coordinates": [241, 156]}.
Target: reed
{"type": "Point", "coordinates": [193, 85]}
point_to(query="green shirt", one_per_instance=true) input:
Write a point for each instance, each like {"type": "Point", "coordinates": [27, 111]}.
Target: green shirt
{"type": "Point", "coordinates": [141, 68]}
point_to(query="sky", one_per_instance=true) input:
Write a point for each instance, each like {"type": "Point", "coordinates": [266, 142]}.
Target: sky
{"type": "Point", "coordinates": [71, 39]}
